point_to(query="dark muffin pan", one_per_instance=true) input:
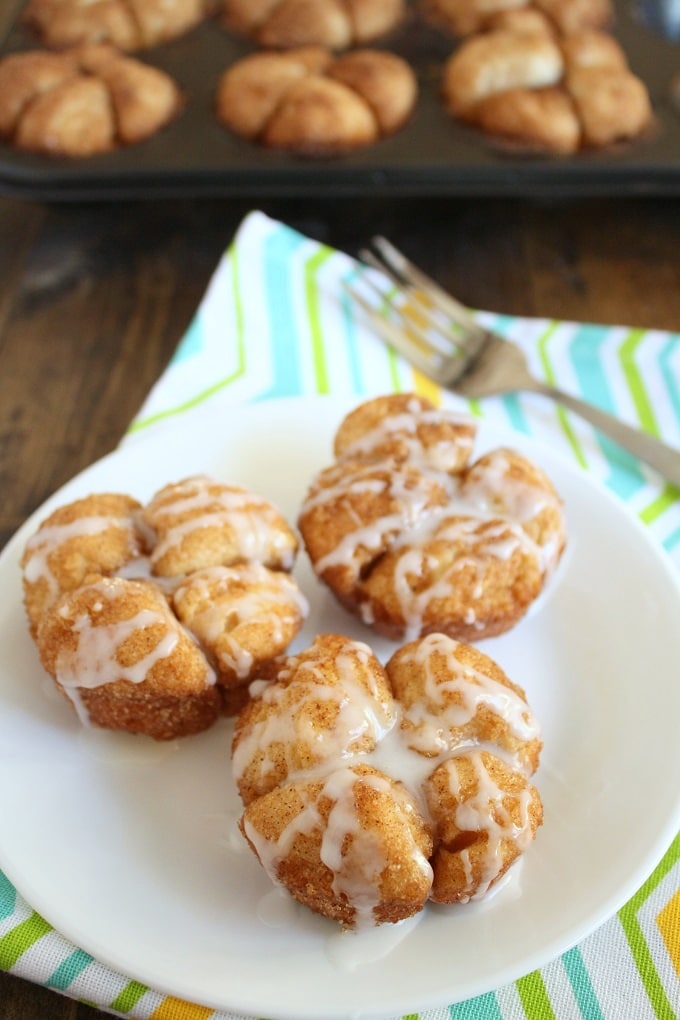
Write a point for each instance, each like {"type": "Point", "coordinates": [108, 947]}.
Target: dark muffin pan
{"type": "Point", "coordinates": [432, 155]}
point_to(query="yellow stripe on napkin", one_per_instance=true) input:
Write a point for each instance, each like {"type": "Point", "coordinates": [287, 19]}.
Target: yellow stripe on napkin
{"type": "Point", "coordinates": [177, 1009]}
{"type": "Point", "coordinates": [668, 922]}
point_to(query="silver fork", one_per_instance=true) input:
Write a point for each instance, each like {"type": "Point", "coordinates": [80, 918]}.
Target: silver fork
{"type": "Point", "coordinates": [441, 338]}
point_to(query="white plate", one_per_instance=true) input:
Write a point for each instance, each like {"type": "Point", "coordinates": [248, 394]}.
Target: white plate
{"type": "Point", "coordinates": [130, 848]}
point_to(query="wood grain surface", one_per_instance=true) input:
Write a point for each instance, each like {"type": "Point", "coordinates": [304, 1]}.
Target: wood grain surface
{"type": "Point", "coordinates": [94, 299]}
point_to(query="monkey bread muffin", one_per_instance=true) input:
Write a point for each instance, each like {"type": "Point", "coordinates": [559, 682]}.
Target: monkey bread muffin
{"type": "Point", "coordinates": [310, 102]}
{"type": "Point", "coordinates": [464, 17]}
{"type": "Point", "coordinates": [82, 101]}
{"type": "Point", "coordinates": [127, 24]}
{"type": "Point", "coordinates": [413, 537]}
{"type": "Point", "coordinates": [369, 790]}
{"type": "Point", "coordinates": [544, 76]}
{"type": "Point", "coordinates": [154, 618]}
{"type": "Point", "coordinates": [335, 24]}
{"type": "Point", "coordinates": [546, 93]}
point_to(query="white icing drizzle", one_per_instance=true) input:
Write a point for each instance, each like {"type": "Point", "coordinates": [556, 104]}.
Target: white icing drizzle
{"type": "Point", "coordinates": [356, 871]}
{"type": "Point", "coordinates": [93, 661]}
{"type": "Point", "coordinates": [253, 521]}
{"type": "Point", "coordinates": [485, 811]}
{"type": "Point", "coordinates": [49, 537]}
{"type": "Point", "coordinates": [403, 427]}
{"type": "Point", "coordinates": [349, 949]}
{"type": "Point", "coordinates": [410, 510]}
{"type": "Point", "coordinates": [353, 853]}
{"type": "Point", "coordinates": [451, 704]}
{"type": "Point", "coordinates": [360, 715]}
{"type": "Point", "coordinates": [270, 599]}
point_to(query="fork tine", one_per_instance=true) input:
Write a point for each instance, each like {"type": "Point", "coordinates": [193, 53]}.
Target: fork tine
{"type": "Point", "coordinates": [414, 278]}
{"type": "Point", "coordinates": [416, 311]}
{"type": "Point", "coordinates": [417, 295]}
{"type": "Point", "coordinates": [397, 337]}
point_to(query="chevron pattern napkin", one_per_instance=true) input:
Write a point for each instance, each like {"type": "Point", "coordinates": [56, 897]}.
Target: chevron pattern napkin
{"type": "Point", "coordinates": [273, 324]}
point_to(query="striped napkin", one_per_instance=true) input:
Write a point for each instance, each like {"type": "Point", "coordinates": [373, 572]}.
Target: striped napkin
{"type": "Point", "coordinates": [275, 322]}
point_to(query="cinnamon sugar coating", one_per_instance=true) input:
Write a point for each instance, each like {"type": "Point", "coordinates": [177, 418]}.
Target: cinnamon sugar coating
{"type": "Point", "coordinates": [368, 790]}
{"type": "Point", "coordinates": [93, 535]}
{"type": "Point", "coordinates": [387, 428]}
{"type": "Point", "coordinates": [451, 694]}
{"type": "Point", "coordinates": [201, 522]}
{"type": "Point", "coordinates": [356, 511]}
{"type": "Point", "coordinates": [116, 650]}
{"type": "Point", "coordinates": [385, 845]}
{"type": "Point", "coordinates": [465, 17]}
{"type": "Point", "coordinates": [127, 24]}
{"type": "Point", "coordinates": [309, 102]}
{"type": "Point", "coordinates": [83, 101]}
{"type": "Point", "coordinates": [485, 815]}
{"type": "Point", "coordinates": [242, 616]}
{"type": "Point", "coordinates": [413, 538]}
{"type": "Point", "coordinates": [329, 702]}
{"type": "Point", "coordinates": [335, 24]}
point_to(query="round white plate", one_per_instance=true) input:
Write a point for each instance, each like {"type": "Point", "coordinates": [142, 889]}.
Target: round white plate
{"type": "Point", "coordinates": [130, 849]}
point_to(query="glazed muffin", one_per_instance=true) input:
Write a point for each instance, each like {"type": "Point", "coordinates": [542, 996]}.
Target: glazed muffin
{"type": "Point", "coordinates": [206, 561]}
{"type": "Point", "coordinates": [366, 792]}
{"type": "Point", "coordinates": [420, 540]}
{"type": "Point", "coordinates": [334, 24]}
{"type": "Point", "coordinates": [82, 102]}
{"type": "Point", "coordinates": [127, 24]}
{"type": "Point", "coordinates": [309, 102]}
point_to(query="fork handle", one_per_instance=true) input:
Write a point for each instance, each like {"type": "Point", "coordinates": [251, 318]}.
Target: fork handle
{"type": "Point", "coordinates": [665, 459]}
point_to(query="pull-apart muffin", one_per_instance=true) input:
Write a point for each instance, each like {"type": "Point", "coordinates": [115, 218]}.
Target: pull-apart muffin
{"type": "Point", "coordinates": [127, 24]}
{"type": "Point", "coordinates": [528, 85]}
{"type": "Point", "coordinates": [309, 102]}
{"type": "Point", "coordinates": [83, 101]}
{"type": "Point", "coordinates": [336, 24]}
{"type": "Point", "coordinates": [154, 619]}
{"type": "Point", "coordinates": [465, 17]}
{"type": "Point", "coordinates": [413, 538]}
{"type": "Point", "coordinates": [369, 790]}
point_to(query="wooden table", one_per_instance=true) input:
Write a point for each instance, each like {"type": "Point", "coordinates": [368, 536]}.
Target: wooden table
{"type": "Point", "coordinates": [94, 298]}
